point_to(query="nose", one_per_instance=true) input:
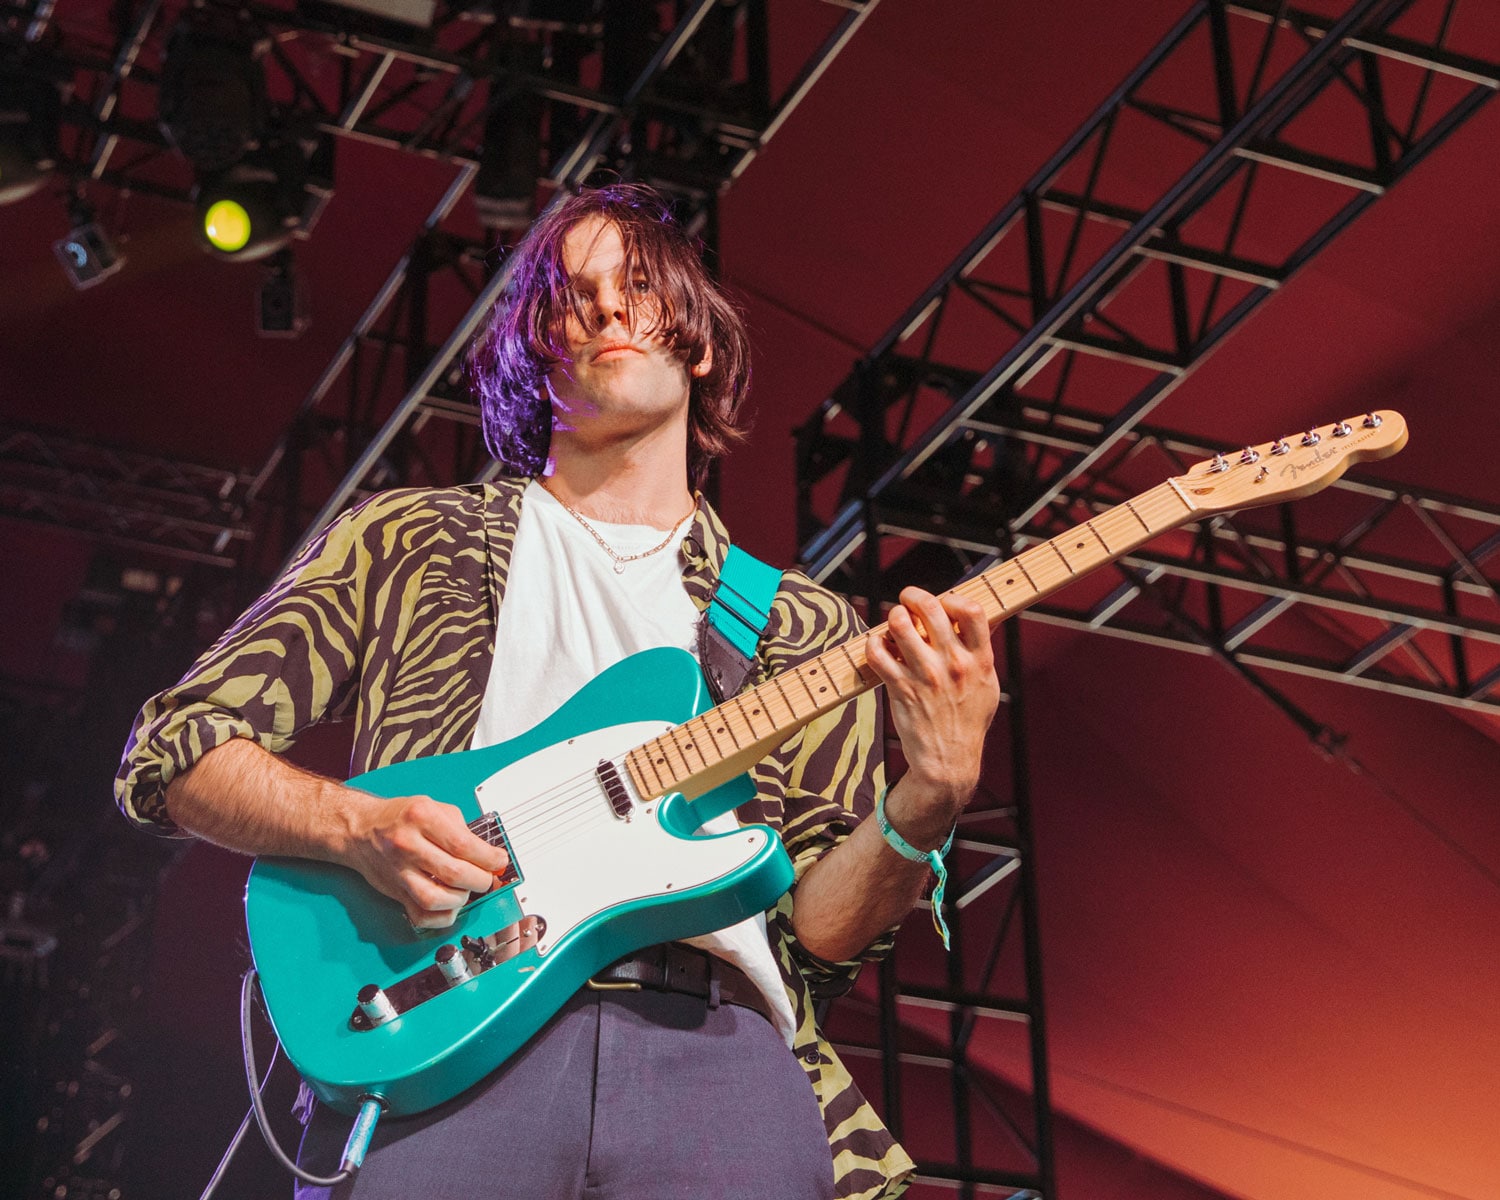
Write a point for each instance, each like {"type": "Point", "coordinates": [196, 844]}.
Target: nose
{"type": "Point", "coordinates": [609, 305]}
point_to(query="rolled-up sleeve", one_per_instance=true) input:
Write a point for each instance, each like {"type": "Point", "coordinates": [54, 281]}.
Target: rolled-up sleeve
{"type": "Point", "coordinates": [288, 661]}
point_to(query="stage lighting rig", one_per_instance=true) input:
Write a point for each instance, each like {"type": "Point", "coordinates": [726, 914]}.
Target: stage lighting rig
{"type": "Point", "coordinates": [212, 101]}
{"type": "Point", "coordinates": [30, 111]}
{"type": "Point", "coordinates": [86, 254]}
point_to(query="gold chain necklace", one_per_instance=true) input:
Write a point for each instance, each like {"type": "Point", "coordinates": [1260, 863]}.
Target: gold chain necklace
{"type": "Point", "coordinates": [619, 559]}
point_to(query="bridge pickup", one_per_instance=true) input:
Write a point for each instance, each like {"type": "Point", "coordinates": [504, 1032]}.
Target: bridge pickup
{"type": "Point", "coordinates": [614, 787]}
{"type": "Point", "coordinates": [479, 955]}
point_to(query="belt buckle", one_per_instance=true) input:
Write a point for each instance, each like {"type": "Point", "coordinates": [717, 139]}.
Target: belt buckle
{"type": "Point", "coordinates": [595, 986]}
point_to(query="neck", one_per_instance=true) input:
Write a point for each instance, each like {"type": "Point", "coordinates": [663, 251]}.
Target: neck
{"type": "Point", "coordinates": [624, 486]}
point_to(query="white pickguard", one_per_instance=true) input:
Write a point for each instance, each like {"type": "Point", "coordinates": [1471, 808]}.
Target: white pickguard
{"type": "Point", "coordinates": [576, 857]}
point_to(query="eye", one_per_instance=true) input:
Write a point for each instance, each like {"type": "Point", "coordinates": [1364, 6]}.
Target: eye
{"type": "Point", "coordinates": [640, 287]}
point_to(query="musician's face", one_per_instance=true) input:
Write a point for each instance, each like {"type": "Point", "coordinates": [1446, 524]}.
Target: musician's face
{"type": "Point", "coordinates": [621, 378]}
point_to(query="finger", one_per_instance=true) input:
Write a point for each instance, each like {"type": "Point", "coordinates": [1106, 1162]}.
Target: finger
{"type": "Point", "coordinates": [882, 660]}
{"type": "Point", "coordinates": [431, 895]}
{"type": "Point", "coordinates": [445, 828]}
{"type": "Point", "coordinates": [914, 652]}
{"type": "Point", "coordinates": [967, 616]}
{"type": "Point", "coordinates": [422, 918]}
{"type": "Point", "coordinates": [937, 625]}
{"type": "Point", "coordinates": [455, 874]}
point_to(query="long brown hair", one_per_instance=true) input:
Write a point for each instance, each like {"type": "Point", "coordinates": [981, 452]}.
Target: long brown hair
{"type": "Point", "coordinates": [524, 339]}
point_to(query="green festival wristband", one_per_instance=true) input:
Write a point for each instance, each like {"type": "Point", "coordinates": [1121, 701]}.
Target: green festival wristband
{"type": "Point", "coordinates": [933, 858]}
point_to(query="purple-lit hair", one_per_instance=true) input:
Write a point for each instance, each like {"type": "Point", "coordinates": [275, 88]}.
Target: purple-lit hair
{"type": "Point", "coordinates": [525, 339]}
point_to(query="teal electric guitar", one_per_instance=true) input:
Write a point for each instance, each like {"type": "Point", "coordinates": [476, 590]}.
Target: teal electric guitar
{"type": "Point", "coordinates": [598, 807]}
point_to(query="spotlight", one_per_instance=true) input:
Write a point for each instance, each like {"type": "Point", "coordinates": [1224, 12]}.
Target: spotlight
{"type": "Point", "coordinates": [254, 208]}
{"type": "Point", "coordinates": [30, 110]}
{"type": "Point", "coordinates": [87, 254]}
{"type": "Point", "coordinates": [281, 304]}
{"type": "Point", "coordinates": [212, 100]}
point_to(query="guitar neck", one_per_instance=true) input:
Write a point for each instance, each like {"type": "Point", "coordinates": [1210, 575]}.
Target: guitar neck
{"type": "Point", "coordinates": [725, 741]}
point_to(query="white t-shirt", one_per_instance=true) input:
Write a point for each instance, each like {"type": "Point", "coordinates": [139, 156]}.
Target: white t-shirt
{"type": "Point", "coordinates": [567, 616]}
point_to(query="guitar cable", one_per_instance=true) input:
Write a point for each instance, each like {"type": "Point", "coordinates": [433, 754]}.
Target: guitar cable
{"type": "Point", "coordinates": [359, 1135]}
{"type": "Point", "coordinates": [239, 1135]}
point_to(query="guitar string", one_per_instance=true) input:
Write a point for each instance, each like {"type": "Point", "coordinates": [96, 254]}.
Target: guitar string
{"type": "Point", "coordinates": [555, 811]}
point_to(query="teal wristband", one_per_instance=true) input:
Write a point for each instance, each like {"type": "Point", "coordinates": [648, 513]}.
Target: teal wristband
{"type": "Point", "coordinates": [933, 858]}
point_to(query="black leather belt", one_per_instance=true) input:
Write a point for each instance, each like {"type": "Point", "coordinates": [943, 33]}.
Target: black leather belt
{"type": "Point", "coordinates": [673, 967]}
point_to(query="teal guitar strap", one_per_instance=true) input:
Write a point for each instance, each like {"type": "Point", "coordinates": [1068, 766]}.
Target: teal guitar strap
{"type": "Point", "coordinates": [737, 616]}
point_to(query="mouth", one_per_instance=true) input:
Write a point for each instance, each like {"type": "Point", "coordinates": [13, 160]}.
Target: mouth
{"type": "Point", "coordinates": [613, 350]}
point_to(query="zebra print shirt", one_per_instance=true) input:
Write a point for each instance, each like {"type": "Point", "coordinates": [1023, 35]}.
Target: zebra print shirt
{"type": "Point", "coordinates": [387, 618]}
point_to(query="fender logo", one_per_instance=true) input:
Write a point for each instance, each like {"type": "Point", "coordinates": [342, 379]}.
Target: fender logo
{"type": "Point", "coordinates": [1322, 456]}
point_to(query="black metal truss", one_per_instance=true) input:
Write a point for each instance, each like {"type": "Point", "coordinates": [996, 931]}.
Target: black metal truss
{"type": "Point", "coordinates": [164, 507]}
{"type": "Point", "coordinates": [1001, 1137]}
{"type": "Point", "coordinates": [1261, 130]}
{"type": "Point", "coordinates": [687, 107]}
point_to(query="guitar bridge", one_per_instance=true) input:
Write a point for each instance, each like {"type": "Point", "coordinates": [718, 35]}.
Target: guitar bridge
{"type": "Point", "coordinates": [478, 955]}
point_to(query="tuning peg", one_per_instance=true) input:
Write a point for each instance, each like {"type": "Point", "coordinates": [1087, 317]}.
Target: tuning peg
{"type": "Point", "coordinates": [1250, 455]}
{"type": "Point", "coordinates": [1280, 446]}
{"type": "Point", "coordinates": [1371, 421]}
{"type": "Point", "coordinates": [1220, 463]}
{"type": "Point", "coordinates": [1311, 438]}
{"type": "Point", "coordinates": [1342, 429]}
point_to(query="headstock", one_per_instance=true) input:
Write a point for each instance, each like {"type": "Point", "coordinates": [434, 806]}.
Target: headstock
{"type": "Point", "coordinates": [1291, 467]}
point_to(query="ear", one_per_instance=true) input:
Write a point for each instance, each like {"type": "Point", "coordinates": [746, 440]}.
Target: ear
{"type": "Point", "coordinates": [704, 365]}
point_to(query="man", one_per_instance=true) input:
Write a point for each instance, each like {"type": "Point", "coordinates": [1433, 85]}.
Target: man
{"type": "Point", "coordinates": [442, 619]}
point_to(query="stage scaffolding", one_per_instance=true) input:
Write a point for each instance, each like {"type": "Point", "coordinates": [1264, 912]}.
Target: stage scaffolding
{"type": "Point", "coordinates": [1009, 402]}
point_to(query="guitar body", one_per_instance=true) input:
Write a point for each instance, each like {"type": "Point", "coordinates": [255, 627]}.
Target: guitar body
{"type": "Point", "coordinates": [589, 887]}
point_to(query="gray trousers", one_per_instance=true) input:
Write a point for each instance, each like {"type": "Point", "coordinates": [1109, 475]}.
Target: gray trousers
{"type": "Point", "coordinates": [622, 1096]}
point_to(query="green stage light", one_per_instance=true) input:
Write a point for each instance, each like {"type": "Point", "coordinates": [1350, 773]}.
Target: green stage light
{"type": "Point", "coordinates": [227, 226]}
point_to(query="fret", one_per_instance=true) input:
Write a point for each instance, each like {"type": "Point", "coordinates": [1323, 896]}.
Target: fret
{"type": "Point", "coordinates": [985, 579]}
{"type": "Point", "coordinates": [1128, 504]}
{"type": "Point", "coordinates": [681, 749]}
{"type": "Point", "coordinates": [1020, 562]}
{"type": "Point", "coordinates": [642, 755]}
{"type": "Point", "coordinates": [657, 748]}
{"type": "Point", "coordinates": [806, 687]}
{"type": "Point", "coordinates": [849, 658]}
{"type": "Point", "coordinates": [1090, 526]}
{"type": "Point", "coordinates": [755, 712]}
{"type": "Point", "coordinates": [708, 726]}
{"type": "Point", "coordinates": [828, 675]}
{"type": "Point", "coordinates": [791, 712]}
{"type": "Point", "coordinates": [1057, 550]}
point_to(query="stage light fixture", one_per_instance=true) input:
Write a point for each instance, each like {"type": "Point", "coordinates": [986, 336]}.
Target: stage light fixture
{"type": "Point", "coordinates": [30, 110]}
{"type": "Point", "coordinates": [212, 100]}
{"type": "Point", "coordinates": [275, 193]}
{"type": "Point", "coordinates": [281, 304]}
{"type": "Point", "coordinates": [87, 255]}
{"type": "Point", "coordinates": [391, 18]}
{"type": "Point", "coordinates": [510, 159]}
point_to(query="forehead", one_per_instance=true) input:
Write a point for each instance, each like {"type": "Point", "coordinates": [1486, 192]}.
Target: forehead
{"type": "Point", "coordinates": [593, 247]}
